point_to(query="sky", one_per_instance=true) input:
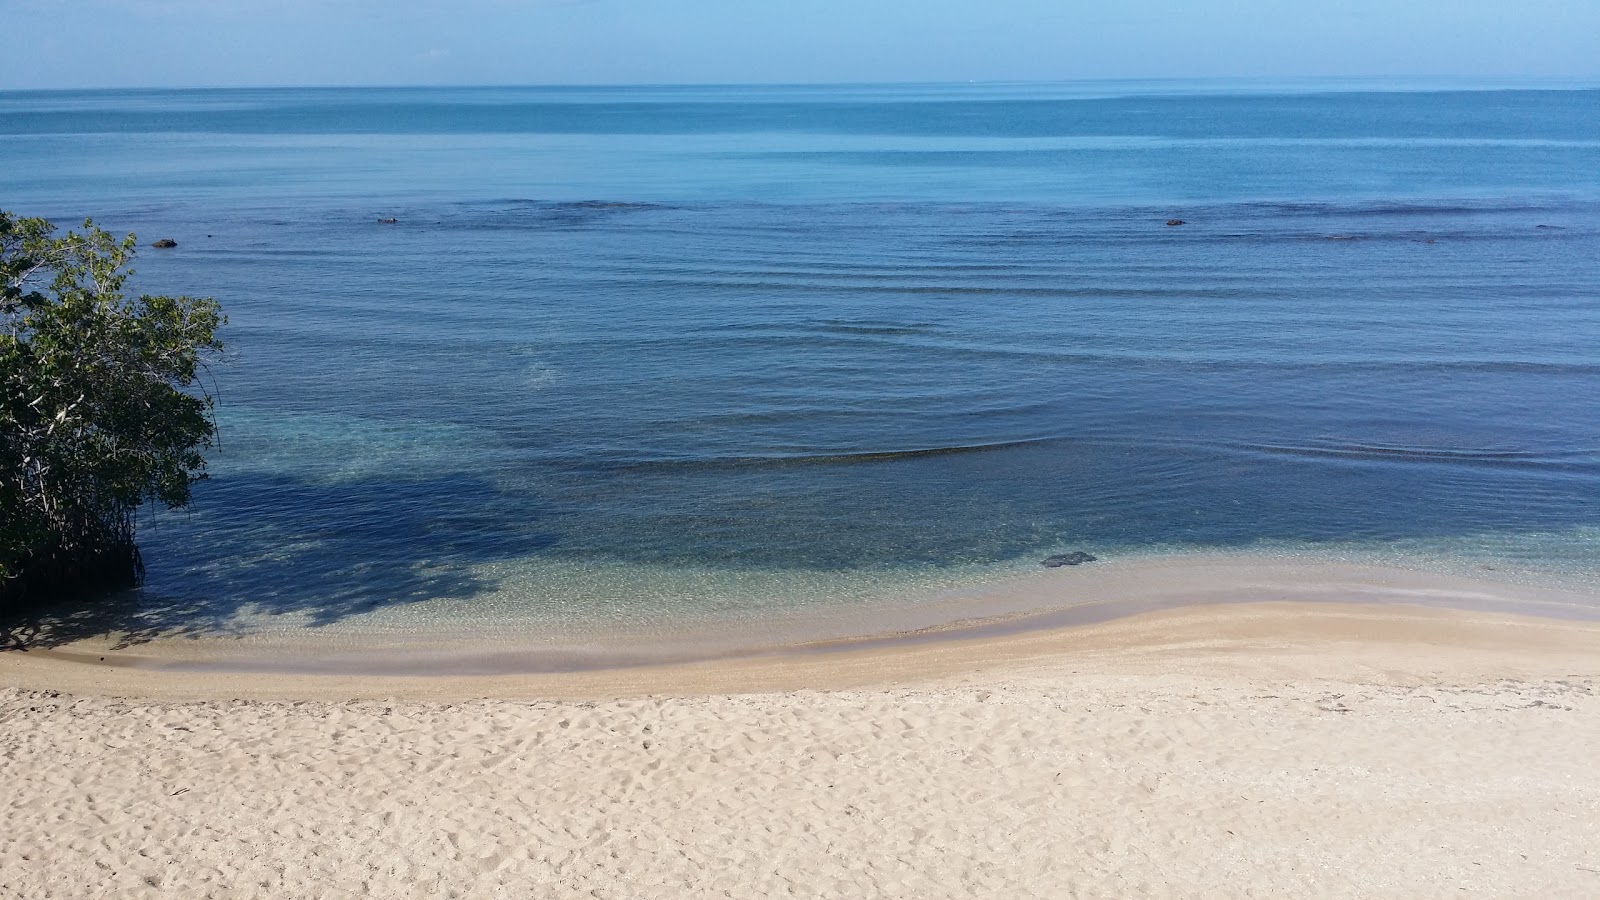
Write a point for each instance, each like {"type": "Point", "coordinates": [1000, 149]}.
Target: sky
{"type": "Point", "coordinates": [205, 43]}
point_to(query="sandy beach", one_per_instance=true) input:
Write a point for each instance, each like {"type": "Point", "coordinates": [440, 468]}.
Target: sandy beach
{"type": "Point", "coordinates": [1259, 749]}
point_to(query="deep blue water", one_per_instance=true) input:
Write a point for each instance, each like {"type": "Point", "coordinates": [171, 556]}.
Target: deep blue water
{"type": "Point", "coordinates": [864, 332]}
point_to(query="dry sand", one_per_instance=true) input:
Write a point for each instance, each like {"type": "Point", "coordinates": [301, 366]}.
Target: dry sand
{"type": "Point", "coordinates": [1269, 750]}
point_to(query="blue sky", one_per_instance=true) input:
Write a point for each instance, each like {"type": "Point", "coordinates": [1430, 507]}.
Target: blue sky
{"type": "Point", "coordinates": [102, 43]}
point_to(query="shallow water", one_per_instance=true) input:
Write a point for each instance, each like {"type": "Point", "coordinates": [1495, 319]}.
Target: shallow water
{"type": "Point", "coordinates": [633, 356]}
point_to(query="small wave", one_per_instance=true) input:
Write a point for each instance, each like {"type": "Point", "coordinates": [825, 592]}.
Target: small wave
{"type": "Point", "coordinates": [826, 326]}
{"type": "Point", "coordinates": [825, 458]}
{"type": "Point", "coordinates": [1392, 208]}
{"type": "Point", "coordinates": [840, 326]}
{"type": "Point", "coordinates": [951, 450]}
{"type": "Point", "coordinates": [609, 205]}
{"type": "Point", "coordinates": [520, 213]}
{"type": "Point", "coordinates": [531, 203]}
{"type": "Point", "coordinates": [1464, 366]}
{"type": "Point", "coordinates": [1565, 459]}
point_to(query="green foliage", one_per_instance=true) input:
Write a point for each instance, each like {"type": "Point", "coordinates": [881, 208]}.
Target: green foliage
{"type": "Point", "coordinates": [101, 407]}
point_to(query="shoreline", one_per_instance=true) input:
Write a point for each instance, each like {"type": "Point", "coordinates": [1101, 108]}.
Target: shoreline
{"type": "Point", "coordinates": [1229, 611]}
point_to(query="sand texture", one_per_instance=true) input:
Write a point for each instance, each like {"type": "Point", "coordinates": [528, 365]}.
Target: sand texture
{"type": "Point", "coordinates": [1237, 752]}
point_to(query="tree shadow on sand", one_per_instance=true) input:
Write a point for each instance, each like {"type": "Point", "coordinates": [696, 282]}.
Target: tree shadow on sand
{"type": "Point", "coordinates": [319, 552]}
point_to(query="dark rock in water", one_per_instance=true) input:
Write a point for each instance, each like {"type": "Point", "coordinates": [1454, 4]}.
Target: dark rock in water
{"type": "Point", "coordinates": [388, 221]}
{"type": "Point", "coordinates": [164, 243]}
{"type": "Point", "coordinates": [1176, 222]}
{"type": "Point", "coordinates": [1076, 557]}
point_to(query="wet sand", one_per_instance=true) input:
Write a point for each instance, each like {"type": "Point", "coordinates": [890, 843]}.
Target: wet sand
{"type": "Point", "coordinates": [1031, 614]}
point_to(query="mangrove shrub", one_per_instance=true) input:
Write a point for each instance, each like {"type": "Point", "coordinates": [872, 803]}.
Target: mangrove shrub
{"type": "Point", "coordinates": [101, 408]}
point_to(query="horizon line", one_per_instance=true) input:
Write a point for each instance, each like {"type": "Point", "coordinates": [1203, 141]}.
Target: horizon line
{"type": "Point", "coordinates": [1488, 83]}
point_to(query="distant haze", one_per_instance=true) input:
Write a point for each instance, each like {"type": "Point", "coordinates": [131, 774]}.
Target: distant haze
{"type": "Point", "coordinates": [101, 43]}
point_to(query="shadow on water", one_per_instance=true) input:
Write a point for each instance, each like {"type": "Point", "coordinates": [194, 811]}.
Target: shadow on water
{"type": "Point", "coordinates": [272, 546]}
{"type": "Point", "coordinates": [257, 545]}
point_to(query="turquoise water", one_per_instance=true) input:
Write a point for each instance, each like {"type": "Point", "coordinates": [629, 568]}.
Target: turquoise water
{"type": "Point", "coordinates": [699, 354]}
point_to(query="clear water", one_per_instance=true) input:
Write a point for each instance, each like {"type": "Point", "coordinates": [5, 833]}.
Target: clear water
{"type": "Point", "coordinates": [646, 355]}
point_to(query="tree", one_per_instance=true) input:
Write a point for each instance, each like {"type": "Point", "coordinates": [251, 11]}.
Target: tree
{"type": "Point", "coordinates": [101, 408]}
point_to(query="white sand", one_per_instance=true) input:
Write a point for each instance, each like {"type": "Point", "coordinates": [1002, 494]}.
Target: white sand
{"type": "Point", "coordinates": [1267, 750]}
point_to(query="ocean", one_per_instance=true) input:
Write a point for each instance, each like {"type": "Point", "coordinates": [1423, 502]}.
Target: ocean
{"type": "Point", "coordinates": [698, 357]}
